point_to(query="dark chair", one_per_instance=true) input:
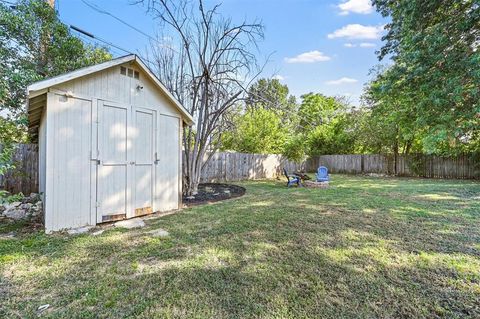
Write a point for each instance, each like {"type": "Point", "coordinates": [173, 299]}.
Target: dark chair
{"type": "Point", "coordinates": [291, 179]}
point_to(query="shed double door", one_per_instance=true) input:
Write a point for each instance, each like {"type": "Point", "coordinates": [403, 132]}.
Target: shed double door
{"type": "Point", "coordinates": [126, 157]}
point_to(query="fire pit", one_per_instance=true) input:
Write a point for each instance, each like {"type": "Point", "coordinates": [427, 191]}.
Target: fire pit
{"type": "Point", "coordinates": [315, 184]}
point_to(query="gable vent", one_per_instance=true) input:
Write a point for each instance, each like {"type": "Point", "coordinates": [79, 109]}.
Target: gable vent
{"type": "Point", "coordinates": [129, 72]}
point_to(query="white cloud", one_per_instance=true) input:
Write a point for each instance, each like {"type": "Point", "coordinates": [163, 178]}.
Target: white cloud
{"type": "Point", "coordinates": [278, 77]}
{"type": "Point", "coordinates": [309, 57]}
{"type": "Point", "coordinates": [361, 45]}
{"type": "Point", "coordinates": [357, 31]}
{"type": "Point", "coordinates": [367, 45]}
{"type": "Point", "coordinates": [355, 6]}
{"type": "Point", "coordinates": [341, 81]}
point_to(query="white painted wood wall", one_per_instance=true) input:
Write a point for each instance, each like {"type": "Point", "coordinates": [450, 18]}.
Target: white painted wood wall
{"type": "Point", "coordinates": [68, 142]}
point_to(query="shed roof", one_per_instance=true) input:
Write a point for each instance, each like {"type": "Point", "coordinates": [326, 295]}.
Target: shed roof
{"type": "Point", "coordinates": [36, 98]}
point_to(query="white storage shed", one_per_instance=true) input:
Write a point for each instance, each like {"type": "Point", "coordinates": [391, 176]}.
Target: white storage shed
{"type": "Point", "coordinates": [110, 139]}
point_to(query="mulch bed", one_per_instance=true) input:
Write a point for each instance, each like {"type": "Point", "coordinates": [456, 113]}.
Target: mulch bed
{"type": "Point", "coordinates": [213, 192]}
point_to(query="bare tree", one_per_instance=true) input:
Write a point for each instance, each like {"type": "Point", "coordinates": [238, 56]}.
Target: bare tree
{"type": "Point", "coordinates": [206, 63]}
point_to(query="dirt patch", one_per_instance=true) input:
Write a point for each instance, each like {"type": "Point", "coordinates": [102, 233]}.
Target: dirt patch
{"type": "Point", "coordinates": [213, 192]}
{"type": "Point", "coordinates": [10, 228]}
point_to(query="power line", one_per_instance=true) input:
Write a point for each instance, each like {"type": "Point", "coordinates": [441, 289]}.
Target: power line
{"type": "Point", "coordinates": [102, 11]}
{"type": "Point", "coordinates": [93, 41]}
{"type": "Point", "coordinates": [105, 12]}
{"type": "Point", "coordinates": [90, 35]}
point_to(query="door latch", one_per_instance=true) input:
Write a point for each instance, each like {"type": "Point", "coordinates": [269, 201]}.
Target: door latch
{"type": "Point", "coordinates": [96, 160]}
{"type": "Point", "coordinates": [156, 158]}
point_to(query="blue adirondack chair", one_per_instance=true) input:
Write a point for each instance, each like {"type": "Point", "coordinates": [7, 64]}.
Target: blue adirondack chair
{"type": "Point", "coordinates": [322, 174]}
{"type": "Point", "coordinates": [291, 179]}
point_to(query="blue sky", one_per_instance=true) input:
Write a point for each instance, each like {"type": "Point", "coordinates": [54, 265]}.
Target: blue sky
{"type": "Point", "coordinates": [325, 46]}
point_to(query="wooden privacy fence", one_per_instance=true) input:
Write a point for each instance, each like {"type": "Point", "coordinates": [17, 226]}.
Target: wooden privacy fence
{"type": "Point", "coordinates": [241, 166]}
{"type": "Point", "coordinates": [221, 168]}
{"type": "Point", "coordinates": [414, 165]}
{"type": "Point", "coordinates": [24, 178]}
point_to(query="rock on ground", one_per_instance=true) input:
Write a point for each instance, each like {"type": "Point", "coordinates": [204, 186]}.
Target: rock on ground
{"type": "Point", "coordinates": [78, 231]}
{"type": "Point", "coordinates": [15, 213]}
{"type": "Point", "coordinates": [30, 206]}
{"type": "Point", "coordinates": [158, 233]}
{"type": "Point", "coordinates": [130, 223]}
{"type": "Point", "coordinates": [98, 232]}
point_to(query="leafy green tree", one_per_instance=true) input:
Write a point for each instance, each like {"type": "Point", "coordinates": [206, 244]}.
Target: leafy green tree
{"type": "Point", "coordinates": [295, 147]}
{"type": "Point", "coordinates": [35, 44]}
{"type": "Point", "coordinates": [270, 94]}
{"type": "Point", "coordinates": [324, 123]}
{"type": "Point", "coordinates": [256, 131]}
{"type": "Point", "coordinates": [317, 109]}
{"type": "Point", "coordinates": [435, 79]}
{"type": "Point", "coordinates": [331, 138]}
{"type": "Point", "coordinates": [388, 124]}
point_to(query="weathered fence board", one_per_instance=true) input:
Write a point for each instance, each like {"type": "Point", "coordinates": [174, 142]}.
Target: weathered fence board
{"type": "Point", "coordinates": [416, 165]}
{"type": "Point", "coordinates": [24, 178]}
{"type": "Point", "coordinates": [241, 166]}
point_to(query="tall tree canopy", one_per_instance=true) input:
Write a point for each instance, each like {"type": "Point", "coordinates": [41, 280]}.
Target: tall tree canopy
{"type": "Point", "coordinates": [435, 78]}
{"type": "Point", "coordinates": [321, 125]}
{"type": "Point", "coordinates": [324, 123]}
{"type": "Point", "coordinates": [35, 44]}
{"type": "Point", "coordinates": [256, 131]}
{"type": "Point", "coordinates": [270, 94]}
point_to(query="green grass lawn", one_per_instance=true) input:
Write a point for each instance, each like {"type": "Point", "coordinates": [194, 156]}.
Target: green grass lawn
{"type": "Point", "coordinates": [365, 247]}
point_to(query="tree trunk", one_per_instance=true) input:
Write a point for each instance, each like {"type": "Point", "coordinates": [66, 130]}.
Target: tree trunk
{"type": "Point", "coordinates": [192, 176]}
{"type": "Point", "coordinates": [395, 154]}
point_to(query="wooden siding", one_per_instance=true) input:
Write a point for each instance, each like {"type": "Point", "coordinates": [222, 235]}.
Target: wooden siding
{"type": "Point", "coordinates": [168, 168]}
{"type": "Point", "coordinates": [69, 122]}
{"type": "Point", "coordinates": [112, 86]}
